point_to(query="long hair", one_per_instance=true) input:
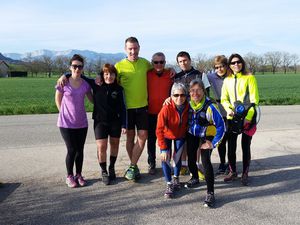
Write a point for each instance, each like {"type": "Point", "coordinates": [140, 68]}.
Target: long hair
{"type": "Point", "coordinates": [235, 55]}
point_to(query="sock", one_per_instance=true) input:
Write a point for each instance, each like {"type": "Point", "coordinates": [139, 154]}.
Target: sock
{"type": "Point", "coordinates": [112, 160]}
{"type": "Point", "coordinates": [103, 166]}
{"type": "Point", "coordinates": [184, 163]}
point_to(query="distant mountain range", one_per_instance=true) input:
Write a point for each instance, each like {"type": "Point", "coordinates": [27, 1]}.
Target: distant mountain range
{"type": "Point", "coordinates": [9, 60]}
{"type": "Point", "coordinates": [89, 55]}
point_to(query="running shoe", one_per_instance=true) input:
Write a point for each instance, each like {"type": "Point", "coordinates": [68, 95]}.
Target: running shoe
{"type": "Point", "coordinates": [105, 178]}
{"type": "Point", "coordinates": [192, 183]}
{"type": "Point", "coordinates": [169, 193]}
{"type": "Point", "coordinates": [230, 177]}
{"type": "Point", "coordinates": [80, 180]}
{"type": "Point", "coordinates": [70, 181]}
{"type": "Point", "coordinates": [152, 170]}
{"type": "Point", "coordinates": [176, 183]}
{"type": "Point", "coordinates": [222, 169]}
{"type": "Point", "coordinates": [137, 174]}
{"type": "Point", "coordinates": [184, 170]}
{"type": "Point", "coordinates": [112, 174]}
{"type": "Point", "coordinates": [244, 179]}
{"type": "Point", "coordinates": [209, 200]}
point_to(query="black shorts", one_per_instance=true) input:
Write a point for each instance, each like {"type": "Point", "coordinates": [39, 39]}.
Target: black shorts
{"type": "Point", "coordinates": [138, 118]}
{"type": "Point", "coordinates": [102, 131]}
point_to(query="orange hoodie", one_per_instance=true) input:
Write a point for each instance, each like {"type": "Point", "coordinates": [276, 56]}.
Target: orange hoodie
{"type": "Point", "coordinates": [170, 124]}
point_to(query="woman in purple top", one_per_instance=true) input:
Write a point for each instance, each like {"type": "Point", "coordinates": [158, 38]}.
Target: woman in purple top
{"type": "Point", "coordinates": [72, 119]}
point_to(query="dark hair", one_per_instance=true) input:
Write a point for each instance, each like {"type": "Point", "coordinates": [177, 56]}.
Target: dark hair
{"type": "Point", "coordinates": [221, 59]}
{"type": "Point", "coordinates": [235, 55]}
{"type": "Point", "coordinates": [132, 40]}
{"type": "Point", "coordinates": [78, 58]}
{"type": "Point", "coordinates": [108, 68]}
{"type": "Point", "coordinates": [198, 82]}
{"type": "Point", "coordinates": [183, 54]}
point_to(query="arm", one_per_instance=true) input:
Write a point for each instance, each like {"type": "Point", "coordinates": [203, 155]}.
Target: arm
{"type": "Point", "coordinates": [216, 118]}
{"type": "Point", "coordinates": [253, 95]}
{"type": "Point", "coordinates": [161, 118]}
{"type": "Point", "coordinates": [123, 113]}
{"type": "Point", "coordinates": [63, 79]}
{"type": "Point", "coordinates": [58, 99]}
{"type": "Point", "coordinates": [225, 98]}
{"type": "Point", "coordinates": [90, 97]}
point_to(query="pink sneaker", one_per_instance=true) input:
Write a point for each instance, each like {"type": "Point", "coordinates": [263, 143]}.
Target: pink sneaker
{"type": "Point", "coordinates": [80, 180]}
{"type": "Point", "coordinates": [71, 182]}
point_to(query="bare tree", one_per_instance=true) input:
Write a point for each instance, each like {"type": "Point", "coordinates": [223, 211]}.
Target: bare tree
{"type": "Point", "coordinates": [203, 62]}
{"type": "Point", "coordinates": [262, 61]}
{"type": "Point", "coordinates": [61, 64]}
{"type": "Point", "coordinates": [89, 67]}
{"type": "Point", "coordinates": [274, 58]}
{"type": "Point", "coordinates": [295, 60]}
{"type": "Point", "coordinates": [98, 65]}
{"type": "Point", "coordinates": [48, 64]}
{"type": "Point", "coordinates": [287, 59]}
{"type": "Point", "coordinates": [253, 61]}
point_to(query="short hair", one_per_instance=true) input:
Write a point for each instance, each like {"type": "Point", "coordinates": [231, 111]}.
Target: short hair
{"type": "Point", "coordinates": [159, 54]}
{"type": "Point", "coordinates": [183, 54]}
{"type": "Point", "coordinates": [108, 68]}
{"type": "Point", "coordinates": [78, 58]}
{"type": "Point", "coordinates": [178, 86]}
{"type": "Point", "coordinates": [132, 40]}
{"type": "Point", "coordinates": [198, 82]}
{"type": "Point", "coordinates": [235, 55]}
{"type": "Point", "coordinates": [221, 59]}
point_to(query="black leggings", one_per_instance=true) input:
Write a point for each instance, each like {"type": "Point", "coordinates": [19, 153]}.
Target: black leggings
{"type": "Point", "coordinates": [246, 142]}
{"type": "Point", "coordinates": [222, 149]}
{"type": "Point", "coordinates": [74, 139]}
{"type": "Point", "coordinates": [192, 147]}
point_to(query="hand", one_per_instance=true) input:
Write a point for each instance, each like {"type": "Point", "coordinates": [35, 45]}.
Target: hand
{"type": "Point", "coordinates": [207, 145]}
{"type": "Point", "coordinates": [123, 131]}
{"type": "Point", "coordinates": [230, 113]}
{"type": "Point", "coordinates": [167, 101]}
{"type": "Point", "coordinates": [163, 156]}
{"type": "Point", "coordinates": [98, 80]}
{"type": "Point", "coordinates": [62, 81]}
{"type": "Point", "coordinates": [172, 73]}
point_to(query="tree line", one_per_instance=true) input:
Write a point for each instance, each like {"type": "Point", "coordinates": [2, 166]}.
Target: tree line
{"type": "Point", "coordinates": [275, 61]}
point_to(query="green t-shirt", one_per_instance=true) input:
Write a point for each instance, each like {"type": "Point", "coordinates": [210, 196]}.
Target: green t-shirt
{"type": "Point", "coordinates": [132, 76]}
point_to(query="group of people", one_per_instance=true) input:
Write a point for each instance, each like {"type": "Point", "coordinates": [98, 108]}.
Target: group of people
{"type": "Point", "coordinates": [147, 101]}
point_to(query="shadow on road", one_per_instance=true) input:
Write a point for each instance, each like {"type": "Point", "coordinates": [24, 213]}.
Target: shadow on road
{"type": "Point", "coordinates": [7, 189]}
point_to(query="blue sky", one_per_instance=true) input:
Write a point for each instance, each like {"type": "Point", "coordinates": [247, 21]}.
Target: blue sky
{"type": "Point", "coordinates": [208, 27]}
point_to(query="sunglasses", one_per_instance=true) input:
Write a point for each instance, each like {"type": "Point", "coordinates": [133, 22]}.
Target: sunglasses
{"type": "Point", "coordinates": [179, 95]}
{"type": "Point", "coordinates": [158, 62]}
{"type": "Point", "coordinates": [219, 67]}
{"type": "Point", "coordinates": [80, 67]}
{"type": "Point", "coordinates": [238, 62]}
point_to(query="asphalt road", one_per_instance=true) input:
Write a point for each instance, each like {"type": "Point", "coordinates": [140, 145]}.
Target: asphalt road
{"type": "Point", "coordinates": [32, 169]}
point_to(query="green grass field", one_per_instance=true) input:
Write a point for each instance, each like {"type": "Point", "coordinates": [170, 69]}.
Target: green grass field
{"type": "Point", "coordinates": [36, 95]}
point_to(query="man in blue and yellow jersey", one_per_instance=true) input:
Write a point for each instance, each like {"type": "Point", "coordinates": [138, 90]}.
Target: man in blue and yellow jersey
{"type": "Point", "coordinates": [132, 76]}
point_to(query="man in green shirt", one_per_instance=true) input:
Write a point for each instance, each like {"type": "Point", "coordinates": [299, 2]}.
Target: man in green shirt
{"type": "Point", "coordinates": [132, 76]}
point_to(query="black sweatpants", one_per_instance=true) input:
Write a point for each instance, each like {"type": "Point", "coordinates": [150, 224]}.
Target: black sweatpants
{"type": "Point", "coordinates": [151, 143]}
{"type": "Point", "coordinates": [192, 147]}
{"type": "Point", "coordinates": [246, 143]}
{"type": "Point", "coordinates": [74, 139]}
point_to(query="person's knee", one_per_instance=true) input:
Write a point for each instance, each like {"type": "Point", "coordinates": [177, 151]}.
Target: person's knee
{"type": "Point", "coordinates": [142, 135]}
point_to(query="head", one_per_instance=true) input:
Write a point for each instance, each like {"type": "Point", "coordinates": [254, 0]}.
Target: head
{"type": "Point", "coordinates": [158, 62]}
{"type": "Point", "coordinates": [236, 64]}
{"type": "Point", "coordinates": [132, 48]}
{"type": "Point", "coordinates": [76, 64]}
{"type": "Point", "coordinates": [184, 61]}
{"type": "Point", "coordinates": [197, 90]}
{"type": "Point", "coordinates": [108, 74]}
{"type": "Point", "coordinates": [220, 65]}
{"type": "Point", "coordinates": [178, 93]}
